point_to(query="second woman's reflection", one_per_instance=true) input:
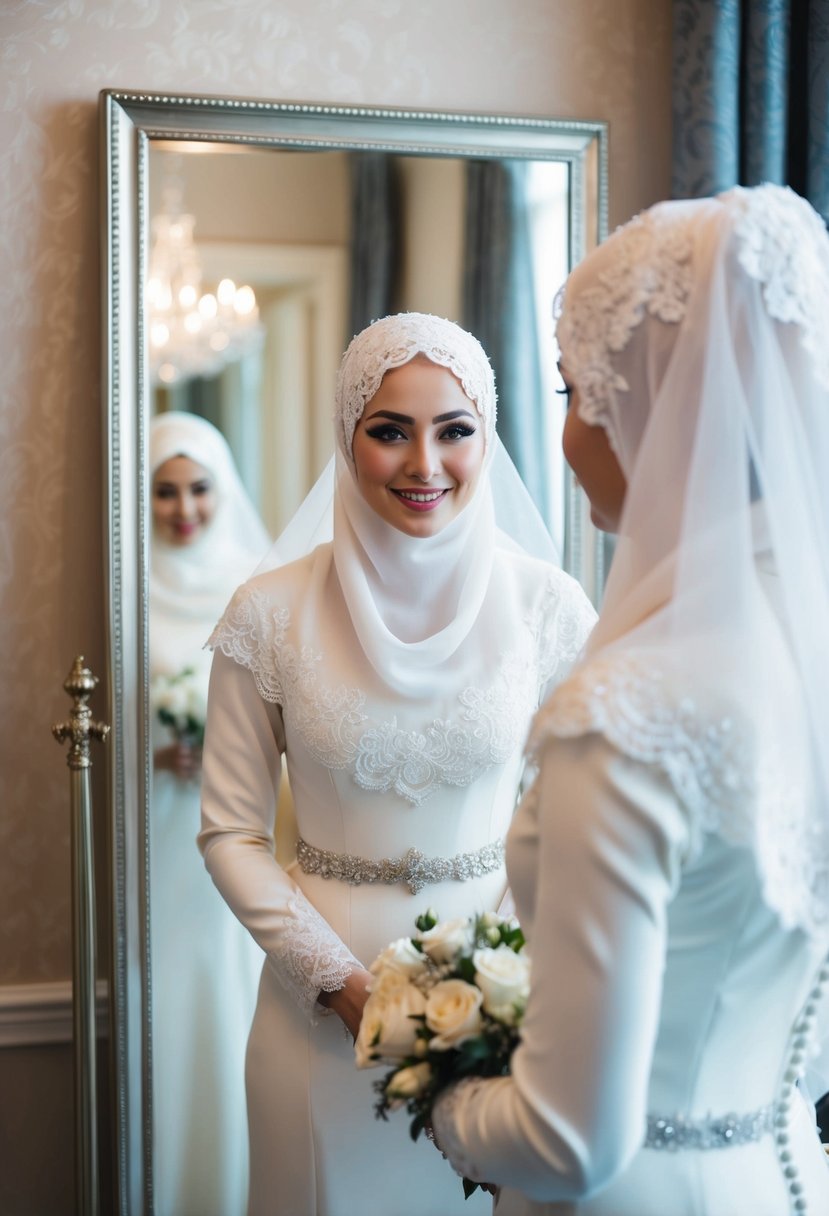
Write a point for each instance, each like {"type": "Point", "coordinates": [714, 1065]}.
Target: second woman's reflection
{"type": "Point", "coordinates": [205, 966]}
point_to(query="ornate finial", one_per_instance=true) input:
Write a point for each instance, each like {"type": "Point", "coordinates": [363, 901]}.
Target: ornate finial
{"type": "Point", "coordinates": [80, 684]}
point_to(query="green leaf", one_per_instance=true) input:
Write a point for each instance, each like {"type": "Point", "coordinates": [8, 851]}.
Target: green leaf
{"type": "Point", "coordinates": [469, 1187]}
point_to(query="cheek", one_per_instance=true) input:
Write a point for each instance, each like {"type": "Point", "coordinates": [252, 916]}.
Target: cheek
{"type": "Point", "coordinates": [372, 462]}
{"type": "Point", "coordinates": [467, 463]}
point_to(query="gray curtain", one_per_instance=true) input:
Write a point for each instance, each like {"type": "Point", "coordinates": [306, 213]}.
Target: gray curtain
{"type": "Point", "coordinates": [375, 239]}
{"type": "Point", "coordinates": [751, 96]}
{"type": "Point", "coordinates": [499, 309]}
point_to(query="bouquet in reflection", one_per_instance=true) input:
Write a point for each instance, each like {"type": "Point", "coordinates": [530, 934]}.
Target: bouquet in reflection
{"type": "Point", "coordinates": [445, 1004]}
{"type": "Point", "coordinates": [180, 703]}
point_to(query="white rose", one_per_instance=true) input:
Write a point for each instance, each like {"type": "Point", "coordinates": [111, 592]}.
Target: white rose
{"type": "Point", "coordinates": [400, 956]}
{"type": "Point", "coordinates": [445, 941]}
{"type": "Point", "coordinates": [409, 1082]}
{"type": "Point", "coordinates": [197, 702]}
{"type": "Point", "coordinates": [453, 1012]}
{"type": "Point", "coordinates": [504, 979]}
{"type": "Point", "coordinates": [174, 700]}
{"type": "Point", "coordinates": [387, 1030]}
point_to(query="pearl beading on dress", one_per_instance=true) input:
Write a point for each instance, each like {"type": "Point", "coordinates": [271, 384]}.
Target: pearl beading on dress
{"type": "Point", "coordinates": [414, 868]}
{"type": "Point", "coordinates": [802, 1032]}
{"type": "Point", "coordinates": [725, 1131]}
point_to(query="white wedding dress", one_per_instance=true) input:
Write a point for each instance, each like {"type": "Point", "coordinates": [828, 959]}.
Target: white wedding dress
{"type": "Point", "coordinates": [373, 775]}
{"type": "Point", "coordinates": [671, 1010]}
{"type": "Point", "coordinates": [205, 970]}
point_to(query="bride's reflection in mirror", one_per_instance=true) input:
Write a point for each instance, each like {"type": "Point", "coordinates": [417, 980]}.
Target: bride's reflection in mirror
{"type": "Point", "coordinates": [206, 538]}
{"type": "Point", "coordinates": [251, 425]}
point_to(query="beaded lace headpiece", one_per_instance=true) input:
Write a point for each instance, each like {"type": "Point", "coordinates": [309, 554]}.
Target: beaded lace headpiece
{"type": "Point", "coordinates": [394, 341]}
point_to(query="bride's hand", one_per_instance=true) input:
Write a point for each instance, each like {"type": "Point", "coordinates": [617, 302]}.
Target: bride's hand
{"type": "Point", "coordinates": [348, 1002]}
{"type": "Point", "coordinates": [181, 759]}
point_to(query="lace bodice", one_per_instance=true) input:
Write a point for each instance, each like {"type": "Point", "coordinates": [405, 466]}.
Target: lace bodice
{"type": "Point", "coordinates": [488, 725]}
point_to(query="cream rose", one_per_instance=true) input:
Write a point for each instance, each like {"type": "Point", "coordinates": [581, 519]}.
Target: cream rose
{"type": "Point", "coordinates": [387, 1030]}
{"type": "Point", "coordinates": [504, 979]}
{"type": "Point", "coordinates": [445, 941]}
{"type": "Point", "coordinates": [409, 1082]}
{"type": "Point", "coordinates": [400, 956]}
{"type": "Point", "coordinates": [453, 1012]}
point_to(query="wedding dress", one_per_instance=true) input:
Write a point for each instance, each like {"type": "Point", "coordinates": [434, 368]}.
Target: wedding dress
{"type": "Point", "coordinates": [405, 761]}
{"type": "Point", "coordinates": [670, 865]}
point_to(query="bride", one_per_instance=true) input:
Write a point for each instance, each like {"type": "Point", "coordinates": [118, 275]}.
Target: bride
{"type": "Point", "coordinates": [671, 863]}
{"type": "Point", "coordinates": [206, 536]}
{"type": "Point", "coordinates": [397, 667]}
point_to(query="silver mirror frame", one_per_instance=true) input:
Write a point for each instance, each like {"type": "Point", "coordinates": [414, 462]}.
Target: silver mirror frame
{"type": "Point", "coordinates": [128, 122]}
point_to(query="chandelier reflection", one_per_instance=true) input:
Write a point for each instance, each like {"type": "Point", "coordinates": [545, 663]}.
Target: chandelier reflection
{"type": "Point", "coordinates": [192, 331]}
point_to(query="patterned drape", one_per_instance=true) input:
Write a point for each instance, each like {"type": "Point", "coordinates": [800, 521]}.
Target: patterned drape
{"type": "Point", "coordinates": [499, 309]}
{"type": "Point", "coordinates": [751, 96]}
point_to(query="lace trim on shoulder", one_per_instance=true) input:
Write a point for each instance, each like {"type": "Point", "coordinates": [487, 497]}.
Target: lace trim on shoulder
{"type": "Point", "coordinates": [561, 624]}
{"type": "Point", "coordinates": [252, 632]}
{"type": "Point", "coordinates": [310, 958]}
{"type": "Point", "coordinates": [444, 1122]}
{"type": "Point", "coordinates": [730, 781]}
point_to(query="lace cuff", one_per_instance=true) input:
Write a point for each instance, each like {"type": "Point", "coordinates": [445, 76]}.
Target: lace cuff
{"type": "Point", "coordinates": [310, 958]}
{"type": "Point", "coordinates": [444, 1121]}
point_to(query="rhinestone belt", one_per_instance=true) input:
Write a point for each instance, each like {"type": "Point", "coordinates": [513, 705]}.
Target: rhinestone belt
{"type": "Point", "coordinates": [681, 1133]}
{"type": "Point", "coordinates": [414, 868]}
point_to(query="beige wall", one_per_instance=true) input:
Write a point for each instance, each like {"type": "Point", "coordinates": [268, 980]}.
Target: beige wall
{"type": "Point", "coordinates": [595, 59]}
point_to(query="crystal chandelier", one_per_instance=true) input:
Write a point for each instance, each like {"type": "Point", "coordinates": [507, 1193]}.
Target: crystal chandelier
{"type": "Point", "coordinates": [192, 331]}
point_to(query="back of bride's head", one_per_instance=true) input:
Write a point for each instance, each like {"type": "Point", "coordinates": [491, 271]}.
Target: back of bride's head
{"type": "Point", "coordinates": [694, 338]}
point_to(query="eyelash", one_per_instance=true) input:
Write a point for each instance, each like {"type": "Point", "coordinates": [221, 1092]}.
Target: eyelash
{"type": "Point", "coordinates": [390, 433]}
{"type": "Point", "coordinates": [200, 488]}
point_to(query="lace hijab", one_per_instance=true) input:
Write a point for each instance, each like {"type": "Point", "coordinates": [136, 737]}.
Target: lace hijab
{"type": "Point", "coordinates": [695, 337]}
{"type": "Point", "coordinates": [413, 601]}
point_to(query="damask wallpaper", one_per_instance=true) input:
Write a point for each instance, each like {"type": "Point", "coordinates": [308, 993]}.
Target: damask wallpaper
{"type": "Point", "coordinates": [598, 59]}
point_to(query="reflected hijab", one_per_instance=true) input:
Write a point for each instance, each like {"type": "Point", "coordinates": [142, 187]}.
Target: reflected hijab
{"type": "Point", "coordinates": [193, 582]}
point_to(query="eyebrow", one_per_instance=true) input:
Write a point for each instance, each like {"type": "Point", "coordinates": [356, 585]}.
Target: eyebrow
{"type": "Point", "coordinates": [405, 418]}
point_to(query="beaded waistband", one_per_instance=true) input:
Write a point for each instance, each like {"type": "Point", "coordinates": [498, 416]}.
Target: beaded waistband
{"type": "Point", "coordinates": [722, 1132]}
{"type": "Point", "coordinates": [414, 868]}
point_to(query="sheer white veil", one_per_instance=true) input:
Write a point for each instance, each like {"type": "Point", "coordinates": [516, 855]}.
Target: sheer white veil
{"type": "Point", "coordinates": [695, 335]}
{"type": "Point", "coordinates": [413, 601]}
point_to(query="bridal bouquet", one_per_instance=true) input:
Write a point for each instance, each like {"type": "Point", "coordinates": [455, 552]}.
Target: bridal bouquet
{"type": "Point", "coordinates": [180, 701]}
{"type": "Point", "coordinates": [446, 1003]}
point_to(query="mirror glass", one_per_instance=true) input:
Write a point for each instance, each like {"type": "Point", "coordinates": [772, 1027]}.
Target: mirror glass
{"type": "Point", "coordinates": [244, 245]}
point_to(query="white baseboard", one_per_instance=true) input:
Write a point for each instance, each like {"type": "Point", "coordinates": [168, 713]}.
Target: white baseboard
{"type": "Point", "coordinates": [42, 1013]}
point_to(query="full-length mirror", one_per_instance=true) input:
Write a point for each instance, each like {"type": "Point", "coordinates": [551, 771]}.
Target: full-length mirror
{"type": "Point", "coordinates": [244, 243]}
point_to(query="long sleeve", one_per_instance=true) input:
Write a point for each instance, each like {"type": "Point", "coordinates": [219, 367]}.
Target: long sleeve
{"type": "Point", "coordinates": [240, 782]}
{"type": "Point", "coordinates": [603, 838]}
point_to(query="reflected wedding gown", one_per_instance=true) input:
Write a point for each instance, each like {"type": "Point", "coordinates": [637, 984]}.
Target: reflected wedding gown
{"type": "Point", "coordinates": [372, 775]}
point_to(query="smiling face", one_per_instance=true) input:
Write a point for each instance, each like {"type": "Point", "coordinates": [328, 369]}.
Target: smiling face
{"type": "Point", "coordinates": [183, 500]}
{"type": "Point", "coordinates": [419, 448]}
{"type": "Point", "coordinates": [588, 452]}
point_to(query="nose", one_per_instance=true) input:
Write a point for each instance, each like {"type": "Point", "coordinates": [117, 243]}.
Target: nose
{"type": "Point", "coordinates": [422, 460]}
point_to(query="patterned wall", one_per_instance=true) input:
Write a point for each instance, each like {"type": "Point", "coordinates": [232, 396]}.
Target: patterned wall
{"type": "Point", "coordinates": [599, 59]}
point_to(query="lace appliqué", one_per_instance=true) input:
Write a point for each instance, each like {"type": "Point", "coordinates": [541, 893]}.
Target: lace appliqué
{"type": "Point", "coordinates": [310, 958]}
{"type": "Point", "coordinates": [791, 261]}
{"type": "Point", "coordinates": [730, 781]}
{"type": "Point", "coordinates": [331, 721]}
{"type": "Point", "coordinates": [444, 1122]}
{"type": "Point", "coordinates": [781, 244]}
{"type": "Point", "coordinates": [560, 625]}
{"type": "Point", "coordinates": [650, 274]}
{"type": "Point", "coordinates": [394, 341]}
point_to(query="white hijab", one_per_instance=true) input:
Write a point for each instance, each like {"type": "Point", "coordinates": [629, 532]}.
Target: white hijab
{"type": "Point", "coordinates": [193, 582]}
{"type": "Point", "coordinates": [414, 601]}
{"type": "Point", "coordinates": [695, 335]}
